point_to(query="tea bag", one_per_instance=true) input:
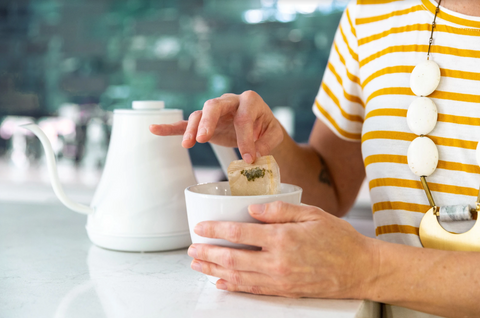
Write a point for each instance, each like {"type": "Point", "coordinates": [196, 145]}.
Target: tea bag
{"type": "Point", "coordinates": [260, 178]}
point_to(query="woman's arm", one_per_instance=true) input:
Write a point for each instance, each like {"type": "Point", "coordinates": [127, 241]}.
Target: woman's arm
{"type": "Point", "coordinates": [329, 169]}
{"type": "Point", "coordinates": [307, 252]}
{"type": "Point", "coordinates": [443, 283]}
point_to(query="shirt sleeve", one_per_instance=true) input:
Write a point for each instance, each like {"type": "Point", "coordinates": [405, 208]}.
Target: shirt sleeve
{"type": "Point", "coordinates": [339, 102]}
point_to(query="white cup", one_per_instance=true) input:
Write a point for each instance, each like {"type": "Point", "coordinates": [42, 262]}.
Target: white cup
{"type": "Point", "coordinates": [214, 202]}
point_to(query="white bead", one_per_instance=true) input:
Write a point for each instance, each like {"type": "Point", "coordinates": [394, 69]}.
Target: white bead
{"type": "Point", "coordinates": [422, 116]}
{"type": "Point", "coordinates": [478, 153]}
{"type": "Point", "coordinates": [425, 78]}
{"type": "Point", "coordinates": [422, 156]}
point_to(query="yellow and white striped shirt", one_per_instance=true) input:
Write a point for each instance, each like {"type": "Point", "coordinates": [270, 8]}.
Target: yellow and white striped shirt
{"type": "Point", "coordinates": [366, 92]}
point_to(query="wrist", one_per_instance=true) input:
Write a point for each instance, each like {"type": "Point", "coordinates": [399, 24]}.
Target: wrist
{"type": "Point", "coordinates": [287, 148]}
{"type": "Point", "coordinates": [278, 149]}
{"type": "Point", "coordinates": [370, 270]}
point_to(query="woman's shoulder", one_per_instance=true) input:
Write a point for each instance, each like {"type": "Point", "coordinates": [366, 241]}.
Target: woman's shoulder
{"type": "Point", "coordinates": [376, 14]}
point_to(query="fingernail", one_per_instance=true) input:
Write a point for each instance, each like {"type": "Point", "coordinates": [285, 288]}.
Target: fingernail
{"type": "Point", "coordinates": [198, 229]}
{"type": "Point", "coordinates": [247, 158]}
{"type": "Point", "coordinates": [187, 137]}
{"type": "Point", "coordinates": [202, 132]}
{"type": "Point", "coordinates": [221, 286]}
{"type": "Point", "coordinates": [257, 209]}
{"type": "Point", "coordinates": [196, 266]}
{"type": "Point", "coordinates": [258, 155]}
{"type": "Point", "coordinates": [192, 252]}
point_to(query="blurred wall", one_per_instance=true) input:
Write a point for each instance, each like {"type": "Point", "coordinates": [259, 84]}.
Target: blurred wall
{"type": "Point", "coordinates": [103, 54]}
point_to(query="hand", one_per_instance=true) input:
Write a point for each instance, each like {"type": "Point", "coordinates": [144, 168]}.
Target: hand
{"type": "Point", "coordinates": [305, 252]}
{"type": "Point", "coordinates": [244, 121]}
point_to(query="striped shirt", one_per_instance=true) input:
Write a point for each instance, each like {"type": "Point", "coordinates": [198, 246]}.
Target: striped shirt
{"type": "Point", "coordinates": [365, 94]}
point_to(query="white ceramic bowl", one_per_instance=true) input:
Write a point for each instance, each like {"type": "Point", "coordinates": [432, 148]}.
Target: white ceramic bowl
{"type": "Point", "coordinates": [214, 202]}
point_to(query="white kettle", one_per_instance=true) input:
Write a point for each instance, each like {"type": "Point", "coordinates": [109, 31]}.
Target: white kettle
{"type": "Point", "coordinates": [139, 204]}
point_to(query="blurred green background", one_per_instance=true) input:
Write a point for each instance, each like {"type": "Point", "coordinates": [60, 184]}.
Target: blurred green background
{"type": "Point", "coordinates": [104, 54]}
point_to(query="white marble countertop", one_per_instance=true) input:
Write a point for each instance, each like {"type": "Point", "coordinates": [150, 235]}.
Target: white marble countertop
{"type": "Point", "coordinates": [49, 268]}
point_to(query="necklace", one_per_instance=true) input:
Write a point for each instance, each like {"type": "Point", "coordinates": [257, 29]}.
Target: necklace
{"type": "Point", "coordinates": [422, 159]}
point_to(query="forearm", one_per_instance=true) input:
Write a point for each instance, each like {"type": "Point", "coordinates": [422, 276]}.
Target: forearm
{"type": "Point", "coordinates": [443, 283]}
{"type": "Point", "coordinates": [303, 166]}
{"type": "Point", "coordinates": [329, 169]}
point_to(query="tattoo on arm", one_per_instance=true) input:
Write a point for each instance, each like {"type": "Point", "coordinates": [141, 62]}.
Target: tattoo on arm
{"type": "Point", "coordinates": [324, 176]}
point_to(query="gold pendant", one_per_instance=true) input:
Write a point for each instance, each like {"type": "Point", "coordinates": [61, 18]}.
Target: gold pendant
{"type": "Point", "coordinates": [433, 235]}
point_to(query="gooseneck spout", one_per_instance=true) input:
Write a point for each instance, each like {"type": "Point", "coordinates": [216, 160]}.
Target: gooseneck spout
{"type": "Point", "coordinates": [52, 169]}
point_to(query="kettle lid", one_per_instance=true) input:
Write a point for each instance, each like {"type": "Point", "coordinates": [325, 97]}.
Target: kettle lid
{"type": "Point", "coordinates": [148, 105]}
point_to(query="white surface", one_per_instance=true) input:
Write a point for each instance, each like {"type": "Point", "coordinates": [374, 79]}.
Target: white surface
{"type": "Point", "coordinates": [148, 243]}
{"type": "Point", "coordinates": [49, 268]}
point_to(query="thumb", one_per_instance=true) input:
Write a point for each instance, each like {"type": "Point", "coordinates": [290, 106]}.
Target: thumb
{"type": "Point", "coordinates": [281, 212]}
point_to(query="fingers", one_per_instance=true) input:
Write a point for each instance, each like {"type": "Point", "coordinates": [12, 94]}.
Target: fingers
{"type": "Point", "coordinates": [245, 110]}
{"type": "Point", "coordinates": [233, 277]}
{"type": "Point", "coordinates": [243, 233]}
{"type": "Point", "coordinates": [243, 281]}
{"type": "Point", "coordinates": [191, 130]}
{"type": "Point", "coordinates": [281, 212]}
{"type": "Point", "coordinates": [255, 130]}
{"type": "Point", "coordinates": [177, 128]}
{"type": "Point", "coordinates": [244, 121]}
{"type": "Point", "coordinates": [252, 289]}
{"type": "Point", "coordinates": [229, 258]}
{"type": "Point", "coordinates": [213, 109]}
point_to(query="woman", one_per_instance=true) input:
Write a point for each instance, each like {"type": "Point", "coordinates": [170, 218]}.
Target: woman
{"type": "Point", "coordinates": [361, 130]}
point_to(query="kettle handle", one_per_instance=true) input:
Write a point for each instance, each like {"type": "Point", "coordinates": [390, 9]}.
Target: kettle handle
{"type": "Point", "coordinates": [225, 155]}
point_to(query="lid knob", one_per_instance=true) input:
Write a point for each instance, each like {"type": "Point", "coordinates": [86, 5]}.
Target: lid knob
{"type": "Point", "coordinates": [148, 105]}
